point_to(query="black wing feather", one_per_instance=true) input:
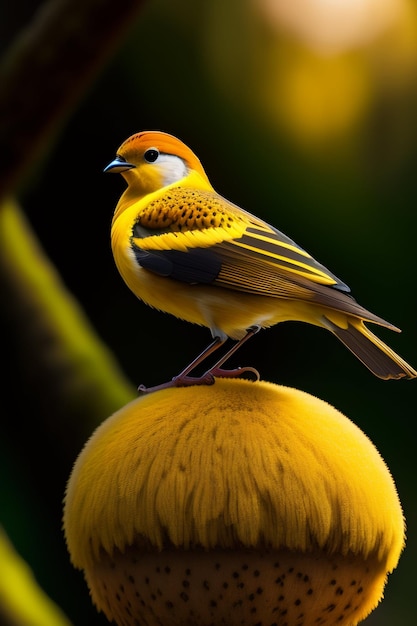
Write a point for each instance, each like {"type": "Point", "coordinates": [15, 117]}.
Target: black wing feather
{"type": "Point", "coordinates": [197, 266]}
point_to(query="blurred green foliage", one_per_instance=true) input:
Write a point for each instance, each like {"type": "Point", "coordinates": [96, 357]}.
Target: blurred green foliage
{"type": "Point", "coordinates": [320, 143]}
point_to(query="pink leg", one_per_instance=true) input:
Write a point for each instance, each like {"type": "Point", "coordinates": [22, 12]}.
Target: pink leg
{"type": "Point", "coordinates": [184, 380]}
{"type": "Point", "coordinates": [216, 369]}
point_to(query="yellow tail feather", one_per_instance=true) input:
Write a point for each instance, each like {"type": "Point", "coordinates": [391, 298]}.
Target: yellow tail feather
{"type": "Point", "coordinates": [368, 348]}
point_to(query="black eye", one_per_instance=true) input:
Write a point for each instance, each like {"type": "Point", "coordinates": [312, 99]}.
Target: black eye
{"type": "Point", "coordinates": [151, 155]}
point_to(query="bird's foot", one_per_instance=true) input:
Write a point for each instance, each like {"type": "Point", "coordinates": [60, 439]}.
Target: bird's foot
{"type": "Point", "coordinates": [206, 379]}
{"type": "Point", "coordinates": [180, 381]}
{"type": "Point", "coordinates": [235, 373]}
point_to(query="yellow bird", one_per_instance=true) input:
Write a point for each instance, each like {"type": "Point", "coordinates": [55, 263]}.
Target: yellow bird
{"type": "Point", "coordinates": [184, 249]}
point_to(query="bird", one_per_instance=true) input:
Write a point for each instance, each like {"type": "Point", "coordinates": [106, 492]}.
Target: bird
{"type": "Point", "coordinates": [184, 249]}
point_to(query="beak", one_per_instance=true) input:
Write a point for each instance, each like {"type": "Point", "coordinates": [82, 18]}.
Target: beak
{"type": "Point", "coordinates": [118, 166]}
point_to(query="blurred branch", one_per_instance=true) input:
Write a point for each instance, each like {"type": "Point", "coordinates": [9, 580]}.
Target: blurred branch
{"type": "Point", "coordinates": [22, 601]}
{"type": "Point", "coordinates": [70, 366]}
{"type": "Point", "coordinates": [47, 70]}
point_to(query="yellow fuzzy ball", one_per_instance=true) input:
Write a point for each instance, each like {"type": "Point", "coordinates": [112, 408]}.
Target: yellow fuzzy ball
{"type": "Point", "coordinates": [237, 503]}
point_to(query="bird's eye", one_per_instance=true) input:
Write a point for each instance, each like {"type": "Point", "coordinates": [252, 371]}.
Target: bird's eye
{"type": "Point", "coordinates": [151, 155]}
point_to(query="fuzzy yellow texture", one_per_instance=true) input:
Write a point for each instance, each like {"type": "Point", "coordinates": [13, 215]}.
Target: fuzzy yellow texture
{"type": "Point", "coordinates": [234, 463]}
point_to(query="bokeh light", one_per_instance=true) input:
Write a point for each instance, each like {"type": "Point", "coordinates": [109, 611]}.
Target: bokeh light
{"type": "Point", "coordinates": [315, 69]}
{"type": "Point", "coordinates": [332, 26]}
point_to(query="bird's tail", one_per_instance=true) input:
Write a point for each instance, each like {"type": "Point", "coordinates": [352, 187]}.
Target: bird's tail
{"type": "Point", "coordinates": [368, 348]}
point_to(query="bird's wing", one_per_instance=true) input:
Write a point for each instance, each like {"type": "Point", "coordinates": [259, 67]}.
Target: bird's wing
{"type": "Point", "coordinates": [185, 220]}
{"type": "Point", "coordinates": [198, 237]}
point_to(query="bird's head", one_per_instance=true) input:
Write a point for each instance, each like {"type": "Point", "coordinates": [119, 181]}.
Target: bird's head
{"type": "Point", "coordinates": [151, 160]}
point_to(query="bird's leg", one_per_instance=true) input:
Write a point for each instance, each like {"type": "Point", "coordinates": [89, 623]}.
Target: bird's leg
{"type": "Point", "coordinates": [183, 376]}
{"type": "Point", "coordinates": [184, 380]}
{"type": "Point", "coordinates": [234, 373]}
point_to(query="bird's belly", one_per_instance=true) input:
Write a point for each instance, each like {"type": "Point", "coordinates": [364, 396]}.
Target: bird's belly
{"type": "Point", "coordinates": [226, 312]}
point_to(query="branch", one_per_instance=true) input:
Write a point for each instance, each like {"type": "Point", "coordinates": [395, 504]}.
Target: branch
{"type": "Point", "coordinates": [47, 70]}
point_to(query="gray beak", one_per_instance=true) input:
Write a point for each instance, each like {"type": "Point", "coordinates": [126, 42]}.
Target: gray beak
{"type": "Point", "coordinates": [118, 166]}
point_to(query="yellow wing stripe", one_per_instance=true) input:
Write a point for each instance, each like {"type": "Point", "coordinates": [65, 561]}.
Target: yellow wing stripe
{"type": "Point", "coordinates": [272, 284]}
{"type": "Point", "coordinates": [187, 239]}
{"type": "Point", "coordinates": [281, 244]}
{"type": "Point", "coordinates": [308, 272]}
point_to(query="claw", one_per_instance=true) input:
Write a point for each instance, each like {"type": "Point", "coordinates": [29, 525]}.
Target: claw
{"type": "Point", "coordinates": [206, 379]}
{"type": "Point", "coordinates": [236, 373]}
{"type": "Point", "coordinates": [180, 381]}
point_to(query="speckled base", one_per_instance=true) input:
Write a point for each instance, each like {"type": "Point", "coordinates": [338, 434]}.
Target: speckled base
{"type": "Point", "coordinates": [225, 587]}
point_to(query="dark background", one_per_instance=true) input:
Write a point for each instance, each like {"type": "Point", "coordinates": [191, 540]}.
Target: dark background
{"type": "Point", "coordinates": [319, 141]}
